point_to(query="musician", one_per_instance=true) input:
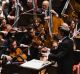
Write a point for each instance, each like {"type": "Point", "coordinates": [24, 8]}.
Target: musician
{"type": "Point", "coordinates": [3, 44]}
{"type": "Point", "coordinates": [38, 27]}
{"type": "Point", "coordinates": [72, 25]}
{"type": "Point", "coordinates": [5, 8]}
{"type": "Point", "coordinates": [29, 7]}
{"type": "Point", "coordinates": [29, 4]}
{"type": "Point", "coordinates": [36, 42]}
{"type": "Point", "coordinates": [12, 49]}
{"type": "Point", "coordinates": [4, 26]}
{"type": "Point", "coordinates": [56, 21]}
{"type": "Point", "coordinates": [1, 11]}
{"type": "Point", "coordinates": [12, 16]}
{"type": "Point", "coordinates": [45, 8]}
{"type": "Point", "coordinates": [63, 54]}
{"type": "Point", "coordinates": [16, 52]}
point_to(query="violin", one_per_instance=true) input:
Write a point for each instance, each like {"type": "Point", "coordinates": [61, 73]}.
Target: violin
{"type": "Point", "coordinates": [48, 41]}
{"type": "Point", "coordinates": [36, 40]}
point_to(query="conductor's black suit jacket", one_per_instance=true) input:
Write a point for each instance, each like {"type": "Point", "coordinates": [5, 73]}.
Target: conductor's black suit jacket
{"type": "Point", "coordinates": [64, 56]}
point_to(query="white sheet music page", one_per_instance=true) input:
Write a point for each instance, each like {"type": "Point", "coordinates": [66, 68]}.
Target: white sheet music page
{"type": "Point", "coordinates": [35, 64]}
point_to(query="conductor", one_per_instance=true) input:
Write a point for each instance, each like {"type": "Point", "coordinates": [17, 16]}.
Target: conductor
{"type": "Point", "coordinates": [63, 54]}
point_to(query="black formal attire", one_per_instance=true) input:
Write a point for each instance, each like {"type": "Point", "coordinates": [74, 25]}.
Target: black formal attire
{"type": "Point", "coordinates": [64, 56]}
{"type": "Point", "coordinates": [34, 53]}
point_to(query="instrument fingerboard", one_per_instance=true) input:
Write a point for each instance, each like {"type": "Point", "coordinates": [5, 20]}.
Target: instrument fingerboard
{"type": "Point", "coordinates": [0, 2]}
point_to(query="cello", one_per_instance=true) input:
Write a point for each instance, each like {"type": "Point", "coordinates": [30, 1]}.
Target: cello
{"type": "Point", "coordinates": [16, 53]}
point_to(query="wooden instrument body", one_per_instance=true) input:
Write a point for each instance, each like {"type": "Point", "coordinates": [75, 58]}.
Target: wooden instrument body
{"type": "Point", "coordinates": [19, 55]}
{"type": "Point", "coordinates": [56, 23]}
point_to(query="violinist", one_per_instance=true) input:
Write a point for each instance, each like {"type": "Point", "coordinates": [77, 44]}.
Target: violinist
{"type": "Point", "coordinates": [36, 24]}
{"type": "Point", "coordinates": [35, 38]}
{"type": "Point", "coordinates": [34, 46]}
{"type": "Point", "coordinates": [38, 27]}
{"type": "Point", "coordinates": [4, 26]}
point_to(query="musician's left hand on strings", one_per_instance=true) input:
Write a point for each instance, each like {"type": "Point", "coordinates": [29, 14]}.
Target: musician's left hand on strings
{"type": "Point", "coordinates": [54, 12]}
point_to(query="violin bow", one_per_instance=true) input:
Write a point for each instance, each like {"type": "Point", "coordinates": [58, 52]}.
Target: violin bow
{"type": "Point", "coordinates": [65, 7]}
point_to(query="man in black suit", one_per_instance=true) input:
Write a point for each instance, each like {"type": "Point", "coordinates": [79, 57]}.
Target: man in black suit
{"type": "Point", "coordinates": [63, 54]}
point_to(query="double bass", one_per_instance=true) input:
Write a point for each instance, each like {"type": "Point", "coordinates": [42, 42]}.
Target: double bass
{"type": "Point", "coordinates": [52, 25]}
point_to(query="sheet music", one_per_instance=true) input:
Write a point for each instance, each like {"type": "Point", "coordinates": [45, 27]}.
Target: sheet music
{"type": "Point", "coordinates": [35, 64]}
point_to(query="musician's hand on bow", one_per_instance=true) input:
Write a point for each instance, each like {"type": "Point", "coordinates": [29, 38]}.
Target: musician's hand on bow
{"type": "Point", "coordinates": [47, 18]}
{"type": "Point", "coordinates": [11, 17]}
{"type": "Point", "coordinates": [9, 58]}
{"type": "Point", "coordinates": [4, 32]}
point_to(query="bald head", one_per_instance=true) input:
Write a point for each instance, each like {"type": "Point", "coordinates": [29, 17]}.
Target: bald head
{"type": "Point", "coordinates": [45, 4]}
{"type": "Point", "coordinates": [65, 27]}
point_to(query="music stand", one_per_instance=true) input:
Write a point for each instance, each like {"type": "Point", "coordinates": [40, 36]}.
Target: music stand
{"type": "Point", "coordinates": [25, 19]}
